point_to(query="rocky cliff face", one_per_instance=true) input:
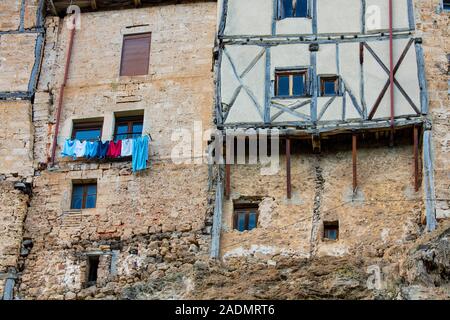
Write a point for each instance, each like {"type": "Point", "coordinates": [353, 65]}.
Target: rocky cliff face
{"type": "Point", "coordinates": [418, 271]}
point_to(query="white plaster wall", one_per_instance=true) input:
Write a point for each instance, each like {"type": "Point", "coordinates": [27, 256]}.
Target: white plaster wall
{"type": "Point", "coordinates": [291, 26]}
{"type": "Point", "coordinates": [244, 109]}
{"type": "Point", "coordinates": [400, 18]}
{"type": "Point", "coordinates": [376, 77]}
{"type": "Point", "coordinates": [326, 59]}
{"type": "Point", "coordinates": [334, 111]}
{"type": "Point", "coordinates": [350, 67]}
{"type": "Point", "coordinates": [286, 117]}
{"type": "Point", "coordinates": [249, 17]}
{"type": "Point", "coordinates": [290, 55]}
{"type": "Point", "coordinates": [338, 17]}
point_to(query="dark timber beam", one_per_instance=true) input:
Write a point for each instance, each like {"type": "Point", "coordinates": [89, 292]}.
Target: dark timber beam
{"type": "Point", "coordinates": [52, 7]}
{"type": "Point", "coordinates": [416, 158]}
{"type": "Point", "coordinates": [288, 168]}
{"type": "Point", "coordinates": [137, 3]}
{"type": "Point", "coordinates": [354, 159]}
{"type": "Point", "coordinates": [94, 4]}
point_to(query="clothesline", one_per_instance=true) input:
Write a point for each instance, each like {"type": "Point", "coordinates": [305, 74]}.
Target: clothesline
{"type": "Point", "coordinates": [137, 148]}
{"type": "Point", "coordinates": [64, 138]}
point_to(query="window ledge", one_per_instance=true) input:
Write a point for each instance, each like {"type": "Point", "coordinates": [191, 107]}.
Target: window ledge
{"type": "Point", "coordinates": [306, 18]}
{"type": "Point", "coordinates": [290, 97]}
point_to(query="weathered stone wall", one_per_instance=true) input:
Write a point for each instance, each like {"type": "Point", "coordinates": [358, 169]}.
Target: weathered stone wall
{"type": "Point", "coordinates": [145, 225]}
{"type": "Point", "coordinates": [433, 25]}
{"type": "Point", "coordinates": [322, 191]}
{"type": "Point", "coordinates": [12, 214]}
{"type": "Point", "coordinates": [16, 139]}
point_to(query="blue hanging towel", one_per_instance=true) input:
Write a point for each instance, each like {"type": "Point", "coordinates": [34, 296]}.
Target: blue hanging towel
{"type": "Point", "coordinates": [140, 154]}
{"type": "Point", "coordinates": [69, 149]}
{"type": "Point", "coordinates": [91, 149]}
{"type": "Point", "coordinates": [102, 149]}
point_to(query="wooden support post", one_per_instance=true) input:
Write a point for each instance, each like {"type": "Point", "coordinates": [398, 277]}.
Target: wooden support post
{"type": "Point", "coordinates": [227, 180]}
{"type": "Point", "coordinates": [93, 4]}
{"type": "Point", "coordinates": [416, 158]}
{"type": "Point", "coordinates": [288, 168]}
{"type": "Point", "coordinates": [355, 172]}
{"type": "Point", "coordinates": [137, 3]}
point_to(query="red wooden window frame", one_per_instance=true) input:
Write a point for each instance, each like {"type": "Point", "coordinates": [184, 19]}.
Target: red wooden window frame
{"type": "Point", "coordinates": [130, 121]}
{"type": "Point", "coordinates": [291, 74]}
{"type": "Point", "coordinates": [324, 79]}
{"type": "Point", "coordinates": [135, 58]}
{"type": "Point", "coordinates": [247, 209]}
{"type": "Point", "coordinates": [85, 126]}
{"type": "Point", "coordinates": [85, 187]}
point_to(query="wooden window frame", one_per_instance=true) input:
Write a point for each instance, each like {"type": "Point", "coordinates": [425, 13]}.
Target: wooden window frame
{"type": "Point", "coordinates": [291, 74]}
{"type": "Point", "coordinates": [130, 120]}
{"type": "Point", "coordinates": [330, 225]}
{"type": "Point", "coordinates": [280, 10]}
{"type": "Point", "coordinates": [85, 195]}
{"type": "Point", "coordinates": [337, 84]}
{"type": "Point", "coordinates": [247, 209]}
{"type": "Point", "coordinates": [85, 126]}
{"type": "Point", "coordinates": [135, 36]}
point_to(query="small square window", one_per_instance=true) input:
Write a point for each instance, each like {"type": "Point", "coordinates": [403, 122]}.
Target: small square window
{"type": "Point", "coordinates": [446, 5]}
{"type": "Point", "coordinates": [291, 83]}
{"type": "Point", "coordinates": [128, 127]}
{"type": "Point", "coordinates": [292, 9]}
{"type": "Point", "coordinates": [90, 131]}
{"type": "Point", "coordinates": [331, 230]}
{"type": "Point", "coordinates": [84, 196]}
{"type": "Point", "coordinates": [135, 54]}
{"type": "Point", "coordinates": [245, 218]}
{"type": "Point", "coordinates": [329, 86]}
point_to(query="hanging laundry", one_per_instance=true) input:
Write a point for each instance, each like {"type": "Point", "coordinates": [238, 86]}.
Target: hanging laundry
{"type": "Point", "coordinates": [91, 149]}
{"type": "Point", "coordinates": [114, 150]}
{"type": "Point", "coordinates": [80, 148]}
{"type": "Point", "coordinates": [140, 153]}
{"type": "Point", "coordinates": [102, 149]}
{"type": "Point", "coordinates": [69, 148]}
{"type": "Point", "coordinates": [127, 148]}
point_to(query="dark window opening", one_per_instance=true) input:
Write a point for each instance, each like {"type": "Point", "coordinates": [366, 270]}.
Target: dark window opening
{"type": "Point", "coordinates": [128, 127]}
{"type": "Point", "coordinates": [291, 83]}
{"type": "Point", "coordinates": [446, 5]}
{"type": "Point", "coordinates": [135, 54]}
{"type": "Point", "coordinates": [84, 196]}
{"type": "Point", "coordinates": [90, 131]}
{"type": "Point", "coordinates": [92, 271]}
{"type": "Point", "coordinates": [246, 218]}
{"type": "Point", "coordinates": [329, 86]}
{"type": "Point", "coordinates": [331, 230]}
{"type": "Point", "coordinates": [292, 9]}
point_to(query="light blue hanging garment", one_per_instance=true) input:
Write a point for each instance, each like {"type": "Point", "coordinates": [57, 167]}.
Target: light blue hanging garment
{"type": "Point", "coordinates": [140, 153]}
{"type": "Point", "coordinates": [91, 149]}
{"type": "Point", "coordinates": [69, 149]}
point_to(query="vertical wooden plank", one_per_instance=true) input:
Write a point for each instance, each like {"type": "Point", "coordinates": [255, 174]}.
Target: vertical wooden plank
{"type": "Point", "coordinates": [288, 168]}
{"type": "Point", "coordinates": [227, 180]}
{"type": "Point", "coordinates": [217, 222]}
{"type": "Point", "coordinates": [354, 159]}
{"type": "Point", "coordinates": [416, 158]}
{"type": "Point", "coordinates": [429, 190]}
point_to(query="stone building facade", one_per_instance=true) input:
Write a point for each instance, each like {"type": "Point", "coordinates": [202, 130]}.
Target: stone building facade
{"type": "Point", "coordinates": [152, 234]}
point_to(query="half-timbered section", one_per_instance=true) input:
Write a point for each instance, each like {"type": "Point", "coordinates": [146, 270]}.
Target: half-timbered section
{"type": "Point", "coordinates": [343, 82]}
